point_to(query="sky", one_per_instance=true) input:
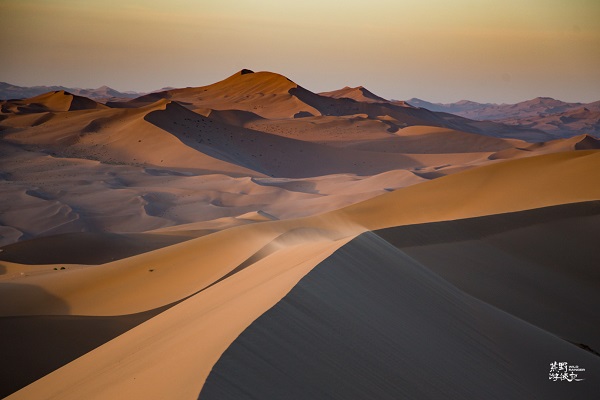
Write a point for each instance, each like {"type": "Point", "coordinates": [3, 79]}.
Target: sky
{"type": "Point", "coordinates": [437, 50]}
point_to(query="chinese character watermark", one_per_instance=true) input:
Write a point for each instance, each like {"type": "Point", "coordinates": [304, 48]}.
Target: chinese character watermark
{"type": "Point", "coordinates": [562, 371]}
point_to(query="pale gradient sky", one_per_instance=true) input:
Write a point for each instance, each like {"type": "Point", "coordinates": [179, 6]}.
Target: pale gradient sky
{"type": "Point", "coordinates": [437, 50]}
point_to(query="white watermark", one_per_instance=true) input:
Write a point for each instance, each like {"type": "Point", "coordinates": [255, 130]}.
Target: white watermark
{"type": "Point", "coordinates": [562, 371]}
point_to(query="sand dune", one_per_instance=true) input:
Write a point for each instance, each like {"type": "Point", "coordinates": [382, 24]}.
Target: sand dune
{"type": "Point", "coordinates": [194, 320]}
{"type": "Point", "coordinates": [516, 185]}
{"type": "Point", "coordinates": [88, 248]}
{"type": "Point", "coordinates": [274, 155]}
{"type": "Point", "coordinates": [274, 96]}
{"type": "Point", "coordinates": [51, 101]}
{"type": "Point", "coordinates": [172, 144]}
{"type": "Point", "coordinates": [331, 130]}
{"type": "Point", "coordinates": [135, 284]}
{"type": "Point", "coordinates": [216, 242]}
{"type": "Point", "coordinates": [492, 189]}
{"type": "Point", "coordinates": [421, 139]}
{"type": "Point", "coordinates": [46, 343]}
{"type": "Point", "coordinates": [118, 136]}
{"type": "Point", "coordinates": [231, 117]}
{"type": "Point", "coordinates": [369, 213]}
{"type": "Point", "coordinates": [371, 322]}
{"type": "Point", "coordinates": [539, 265]}
{"type": "Point", "coordinates": [263, 93]}
{"type": "Point", "coordinates": [359, 93]}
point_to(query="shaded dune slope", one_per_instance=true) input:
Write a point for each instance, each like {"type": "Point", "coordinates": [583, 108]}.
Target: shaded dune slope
{"type": "Point", "coordinates": [88, 248]}
{"type": "Point", "coordinates": [46, 343]}
{"type": "Point", "coordinates": [119, 136]}
{"type": "Point", "coordinates": [540, 265]}
{"type": "Point", "coordinates": [371, 322]}
{"type": "Point", "coordinates": [270, 154]}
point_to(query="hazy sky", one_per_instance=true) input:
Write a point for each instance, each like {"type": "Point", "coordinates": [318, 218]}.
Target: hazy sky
{"type": "Point", "coordinates": [438, 50]}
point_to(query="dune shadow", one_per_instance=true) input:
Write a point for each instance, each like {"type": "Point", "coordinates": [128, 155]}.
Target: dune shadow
{"type": "Point", "coordinates": [480, 227]}
{"type": "Point", "coordinates": [165, 172]}
{"type": "Point", "coordinates": [24, 295]}
{"type": "Point", "coordinates": [85, 247]}
{"type": "Point", "coordinates": [540, 265]}
{"type": "Point", "coordinates": [299, 186]}
{"type": "Point", "coordinates": [393, 128]}
{"type": "Point", "coordinates": [303, 114]}
{"type": "Point", "coordinates": [33, 346]}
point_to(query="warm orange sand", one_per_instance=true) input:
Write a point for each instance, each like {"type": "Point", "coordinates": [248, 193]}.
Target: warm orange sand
{"type": "Point", "coordinates": [127, 286]}
{"type": "Point", "coordinates": [215, 202]}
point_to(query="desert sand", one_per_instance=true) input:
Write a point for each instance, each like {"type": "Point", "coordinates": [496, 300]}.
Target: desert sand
{"type": "Point", "coordinates": [253, 239]}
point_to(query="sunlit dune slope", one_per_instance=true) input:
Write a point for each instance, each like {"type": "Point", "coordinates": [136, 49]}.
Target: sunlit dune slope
{"type": "Point", "coordinates": [503, 187]}
{"type": "Point", "coordinates": [127, 285]}
{"type": "Point", "coordinates": [359, 93]}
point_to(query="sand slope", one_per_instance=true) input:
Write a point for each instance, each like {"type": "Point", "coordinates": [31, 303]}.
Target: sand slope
{"type": "Point", "coordinates": [359, 93]}
{"type": "Point", "coordinates": [122, 286]}
{"type": "Point", "coordinates": [540, 265]}
{"type": "Point", "coordinates": [503, 187]}
{"type": "Point", "coordinates": [51, 101]}
{"type": "Point", "coordinates": [175, 350]}
{"type": "Point", "coordinates": [273, 96]}
{"type": "Point", "coordinates": [163, 227]}
{"type": "Point", "coordinates": [370, 322]}
{"type": "Point", "coordinates": [184, 156]}
{"type": "Point", "coordinates": [492, 189]}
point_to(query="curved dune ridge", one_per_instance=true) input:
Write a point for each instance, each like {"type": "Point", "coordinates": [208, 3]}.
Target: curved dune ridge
{"type": "Point", "coordinates": [127, 286]}
{"type": "Point", "coordinates": [370, 322]}
{"type": "Point", "coordinates": [253, 239]}
{"type": "Point", "coordinates": [53, 101]}
{"type": "Point", "coordinates": [358, 93]}
{"type": "Point", "coordinates": [516, 185]}
{"type": "Point", "coordinates": [263, 93]}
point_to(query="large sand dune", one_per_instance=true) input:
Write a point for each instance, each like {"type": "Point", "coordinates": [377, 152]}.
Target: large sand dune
{"type": "Point", "coordinates": [370, 322]}
{"type": "Point", "coordinates": [540, 265]}
{"type": "Point", "coordinates": [227, 228]}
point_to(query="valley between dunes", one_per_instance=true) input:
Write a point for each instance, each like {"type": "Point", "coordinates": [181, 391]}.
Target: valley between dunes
{"type": "Point", "coordinates": [252, 239]}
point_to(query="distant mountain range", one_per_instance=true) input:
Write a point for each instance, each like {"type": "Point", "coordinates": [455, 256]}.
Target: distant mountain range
{"type": "Point", "coordinates": [544, 113]}
{"type": "Point", "coordinates": [540, 106]}
{"type": "Point", "coordinates": [103, 93]}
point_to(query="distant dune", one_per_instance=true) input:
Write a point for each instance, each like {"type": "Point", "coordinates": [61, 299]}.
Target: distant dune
{"type": "Point", "coordinates": [253, 239]}
{"type": "Point", "coordinates": [51, 101]}
{"type": "Point", "coordinates": [358, 93]}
